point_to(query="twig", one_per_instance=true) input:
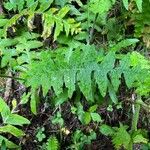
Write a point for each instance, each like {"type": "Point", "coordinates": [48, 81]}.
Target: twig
{"type": "Point", "coordinates": [136, 112]}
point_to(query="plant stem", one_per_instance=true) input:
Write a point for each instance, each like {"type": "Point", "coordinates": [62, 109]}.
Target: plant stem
{"type": "Point", "coordinates": [136, 112]}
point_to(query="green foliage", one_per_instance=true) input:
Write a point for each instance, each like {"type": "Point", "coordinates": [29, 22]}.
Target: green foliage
{"type": "Point", "coordinates": [9, 144]}
{"type": "Point", "coordinates": [19, 5]}
{"type": "Point", "coordinates": [126, 4]}
{"type": "Point", "coordinates": [58, 120]}
{"type": "Point", "coordinates": [50, 18]}
{"type": "Point", "coordinates": [69, 25]}
{"type": "Point", "coordinates": [10, 120]}
{"type": "Point", "coordinates": [121, 137]}
{"type": "Point", "coordinates": [79, 68]}
{"type": "Point", "coordinates": [142, 23]}
{"type": "Point", "coordinates": [100, 6]}
{"type": "Point", "coordinates": [16, 57]}
{"type": "Point", "coordinates": [86, 116]}
{"type": "Point", "coordinates": [138, 4]}
{"type": "Point", "coordinates": [40, 134]}
{"type": "Point", "coordinates": [52, 143]}
{"type": "Point", "coordinates": [106, 130]}
{"type": "Point", "coordinates": [79, 139]}
{"type": "Point", "coordinates": [90, 60]}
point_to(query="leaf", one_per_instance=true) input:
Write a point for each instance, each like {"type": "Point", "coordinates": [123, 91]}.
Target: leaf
{"type": "Point", "coordinates": [9, 144]}
{"type": "Point", "coordinates": [8, 55]}
{"type": "Point", "coordinates": [67, 28]}
{"type": "Point", "coordinates": [139, 4]}
{"type": "Point", "coordinates": [138, 60]}
{"type": "Point", "coordinates": [30, 3]}
{"type": "Point", "coordinates": [25, 98]}
{"type": "Point", "coordinates": [121, 138]}
{"type": "Point", "coordinates": [85, 84]}
{"type": "Point", "coordinates": [63, 97]}
{"type": "Point", "coordinates": [24, 58]}
{"type": "Point", "coordinates": [83, 67]}
{"type": "Point", "coordinates": [102, 81]}
{"type": "Point", "coordinates": [70, 80]}
{"type": "Point", "coordinates": [12, 130]}
{"type": "Point", "coordinates": [52, 143]}
{"type": "Point", "coordinates": [107, 130]}
{"type": "Point", "coordinates": [45, 5]}
{"type": "Point", "coordinates": [62, 13]}
{"type": "Point", "coordinates": [100, 6]}
{"type": "Point", "coordinates": [93, 108]}
{"type": "Point", "coordinates": [14, 104]}
{"type": "Point", "coordinates": [126, 4]}
{"type": "Point", "coordinates": [81, 36]}
{"type": "Point", "coordinates": [58, 29]}
{"type": "Point", "coordinates": [3, 145]}
{"type": "Point", "coordinates": [7, 42]}
{"type": "Point", "coordinates": [9, 6]}
{"type": "Point", "coordinates": [112, 93]}
{"type": "Point", "coordinates": [57, 82]}
{"type": "Point", "coordinates": [123, 44]}
{"type": "Point", "coordinates": [68, 24]}
{"type": "Point", "coordinates": [49, 21]}
{"type": "Point", "coordinates": [96, 117]}
{"type": "Point", "coordinates": [20, 4]}
{"type": "Point", "coordinates": [101, 73]}
{"type": "Point", "coordinates": [115, 76]}
{"type": "Point", "coordinates": [12, 21]}
{"type": "Point", "coordinates": [3, 22]}
{"type": "Point", "coordinates": [15, 119]}
{"type": "Point", "coordinates": [29, 45]}
{"type": "Point", "coordinates": [86, 118]}
{"type": "Point", "coordinates": [33, 102]}
{"type": "Point", "coordinates": [140, 139]}
{"type": "Point", "coordinates": [4, 107]}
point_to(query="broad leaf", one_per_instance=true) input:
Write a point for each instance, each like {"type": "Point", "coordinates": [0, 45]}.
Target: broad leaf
{"type": "Point", "coordinates": [12, 130]}
{"type": "Point", "coordinates": [125, 3]}
{"type": "Point", "coordinates": [15, 119]}
{"type": "Point", "coordinates": [9, 144]}
{"type": "Point", "coordinates": [96, 117]}
{"type": "Point", "coordinates": [107, 130]}
{"type": "Point", "coordinates": [139, 4]}
{"type": "Point", "coordinates": [86, 118]}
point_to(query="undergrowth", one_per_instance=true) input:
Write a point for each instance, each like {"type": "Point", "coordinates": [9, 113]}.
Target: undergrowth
{"type": "Point", "coordinates": [83, 60]}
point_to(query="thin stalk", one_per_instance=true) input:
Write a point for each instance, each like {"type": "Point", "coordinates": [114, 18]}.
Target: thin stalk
{"type": "Point", "coordinates": [135, 118]}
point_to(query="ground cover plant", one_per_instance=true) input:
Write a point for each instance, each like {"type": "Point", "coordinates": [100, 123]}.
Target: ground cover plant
{"type": "Point", "coordinates": [75, 74]}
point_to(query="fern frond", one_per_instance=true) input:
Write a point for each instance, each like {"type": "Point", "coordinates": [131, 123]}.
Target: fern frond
{"type": "Point", "coordinates": [50, 20]}
{"type": "Point", "coordinates": [121, 138]}
{"type": "Point", "coordinates": [53, 70]}
{"type": "Point", "coordinates": [52, 143]}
